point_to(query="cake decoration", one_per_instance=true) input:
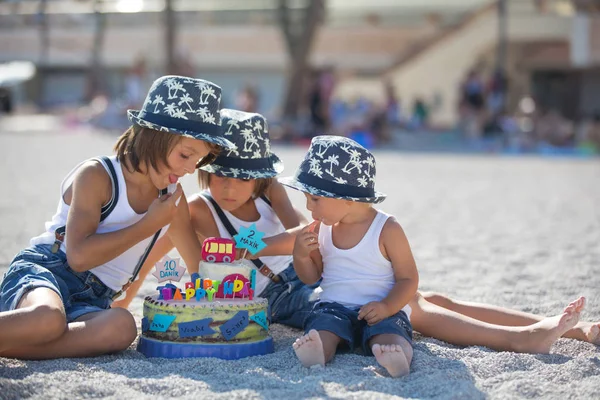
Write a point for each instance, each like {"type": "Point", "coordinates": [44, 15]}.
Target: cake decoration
{"type": "Point", "coordinates": [214, 314]}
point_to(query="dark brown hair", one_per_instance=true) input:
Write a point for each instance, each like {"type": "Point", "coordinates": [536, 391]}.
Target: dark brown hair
{"type": "Point", "coordinates": [143, 146]}
{"type": "Point", "coordinates": [260, 184]}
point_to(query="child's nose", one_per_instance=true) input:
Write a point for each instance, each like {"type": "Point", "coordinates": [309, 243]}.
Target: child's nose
{"type": "Point", "coordinates": [309, 206]}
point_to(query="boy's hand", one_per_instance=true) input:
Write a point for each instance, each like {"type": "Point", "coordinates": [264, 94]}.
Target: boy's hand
{"type": "Point", "coordinates": [373, 312]}
{"type": "Point", "coordinates": [306, 241]}
{"type": "Point", "coordinates": [163, 209]}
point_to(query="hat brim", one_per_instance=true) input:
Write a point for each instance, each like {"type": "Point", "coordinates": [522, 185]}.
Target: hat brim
{"type": "Point", "coordinates": [291, 181]}
{"type": "Point", "coordinates": [220, 140]}
{"type": "Point", "coordinates": [241, 173]}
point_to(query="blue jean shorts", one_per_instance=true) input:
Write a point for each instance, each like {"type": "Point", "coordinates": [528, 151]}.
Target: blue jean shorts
{"type": "Point", "coordinates": [81, 292]}
{"type": "Point", "coordinates": [290, 300]}
{"type": "Point", "coordinates": [344, 322]}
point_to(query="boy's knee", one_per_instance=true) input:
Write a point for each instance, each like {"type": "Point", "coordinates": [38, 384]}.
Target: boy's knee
{"type": "Point", "coordinates": [121, 332]}
{"type": "Point", "coordinates": [51, 320]}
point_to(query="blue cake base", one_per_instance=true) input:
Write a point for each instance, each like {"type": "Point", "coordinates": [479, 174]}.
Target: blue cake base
{"type": "Point", "coordinates": [156, 348]}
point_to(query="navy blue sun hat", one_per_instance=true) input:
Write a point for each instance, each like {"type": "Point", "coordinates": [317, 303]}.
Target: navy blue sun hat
{"type": "Point", "coordinates": [339, 168]}
{"type": "Point", "coordinates": [252, 159]}
{"type": "Point", "coordinates": [184, 106]}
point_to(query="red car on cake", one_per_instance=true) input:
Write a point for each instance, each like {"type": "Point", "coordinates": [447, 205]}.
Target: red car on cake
{"type": "Point", "coordinates": [218, 250]}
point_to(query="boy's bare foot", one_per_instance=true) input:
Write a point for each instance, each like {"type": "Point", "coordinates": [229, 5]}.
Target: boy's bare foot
{"type": "Point", "coordinates": [586, 331]}
{"type": "Point", "coordinates": [309, 349]}
{"type": "Point", "coordinates": [539, 337]}
{"type": "Point", "coordinates": [593, 333]}
{"type": "Point", "coordinates": [392, 358]}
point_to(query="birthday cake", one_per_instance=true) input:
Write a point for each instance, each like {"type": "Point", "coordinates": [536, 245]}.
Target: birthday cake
{"type": "Point", "coordinates": [215, 314]}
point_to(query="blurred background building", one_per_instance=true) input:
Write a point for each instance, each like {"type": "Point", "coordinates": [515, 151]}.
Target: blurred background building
{"type": "Point", "coordinates": [314, 66]}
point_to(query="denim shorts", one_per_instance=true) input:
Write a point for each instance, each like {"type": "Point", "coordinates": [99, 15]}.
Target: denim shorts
{"type": "Point", "coordinates": [290, 300]}
{"type": "Point", "coordinates": [344, 322]}
{"type": "Point", "coordinates": [81, 292]}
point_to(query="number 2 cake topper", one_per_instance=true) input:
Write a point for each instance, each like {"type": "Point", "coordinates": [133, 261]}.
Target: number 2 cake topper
{"type": "Point", "coordinates": [168, 269]}
{"type": "Point", "coordinates": [250, 238]}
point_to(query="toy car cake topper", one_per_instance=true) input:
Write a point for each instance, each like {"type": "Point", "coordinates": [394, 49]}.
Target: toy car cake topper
{"type": "Point", "coordinates": [216, 250]}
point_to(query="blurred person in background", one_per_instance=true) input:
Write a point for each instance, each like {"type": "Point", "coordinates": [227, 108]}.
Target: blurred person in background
{"type": "Point", "coordinates": [552, 128]}
{"type": "Point", "coordinates": [420, 114]}
{"type": "Point", "coordinates": [472, 103]}
{"type": "Point", "coordinates": [392, 106]}
{"type": "Point", "coordinates": [247, 99]}
{"type": "Point", "coordinates": [323, 83]}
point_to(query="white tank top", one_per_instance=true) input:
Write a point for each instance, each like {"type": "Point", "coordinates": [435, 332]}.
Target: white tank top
{"type": "Point", "coordinates": [268, 223]}
{"type": "Point", "coordinates": [116, 272]}
{"type": "Point", "coordinates": [356, 276]}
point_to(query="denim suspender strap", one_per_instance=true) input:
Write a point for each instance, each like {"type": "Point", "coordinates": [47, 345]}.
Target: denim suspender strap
{"type": "Point", "coordinates": [59, 233]}
{"type": "Point", "coordinates": [143, 257]}
{"type": "Point", "coordinates": [266, 200]}
{"type": "Point", "coordinates": [260, 266]}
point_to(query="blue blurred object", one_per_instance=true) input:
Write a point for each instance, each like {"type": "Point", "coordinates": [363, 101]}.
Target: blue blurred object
{"type": "Point", "coordinates": [365, 139]}
{"type": "Point", "coordinates": [157, 348]}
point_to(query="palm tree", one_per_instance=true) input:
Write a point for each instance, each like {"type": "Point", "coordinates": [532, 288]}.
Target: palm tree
{"type": "Point", "coordinates": [175, 86]}
{"type": "Point", "coordinates": [203, 112]}
{"type": "Point", "coordinates": [209, 119]}
{"type": "Point", "coordinates": [170, 109]}
{"type": "Point", "coordinates": [247, 134]}
{"type": "Point", "coordinates": [158, 100]}
{"type": "Point", "coordinates": [179, 113]}
{"type": "Point", "coordinates": [207, 92]}
{"type": "Point", "coordinates": [250, 143]}
{"type": "Point", "coordinates": [354, 162]}
{"type": "Point", "coordinates": [370, 161]}
{"type": "Point", "coordinates": [341, 180]}
{"type": "Point", "coordinates": [332, 160]}
{"type": "Point", "coordinates": [363, 182]}
{"type": "Point", "coordinates": [323, 148]}
{"type": "Point", "coordinates": [186, 99]}
{"type": "Point", "coordinates": [169, 82]}
{"type": "Point", "coordinates": [201, 85]}
{"type": "Point", "coordinates": [315, 168]}
{"type": "Point", "coordinates": [231, 123]}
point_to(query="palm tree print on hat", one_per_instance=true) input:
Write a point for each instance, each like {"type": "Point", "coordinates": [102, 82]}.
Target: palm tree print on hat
{"type": "Point", "coordinates": [354, 160]}
{"type": "Point", "coordinates": [205, 93]}
{"type": "Point", "coordinates": [179, 113]}
{"type": "Point", "coordinates": [332, 160]}
{"type": "Point", "coordinates": [315, 167]}
{"type": "Point", "coordinates": [158, 100]}
{"type": "Point", "coordinates": [230, 125]}
{"type": "Point", "coordinates": [323, 148]}
{"type": "Point", "coordinates": [340, 161]}
{"type": "Point", "coordinates": [370, 162]}
{"type": "Point", "coordinates": [250, 140]}
{"type": "Point", "coordinates": [173, 105]}
{"type": "Point", "coordinates": [203, 112]}
{"type": "Point", "coordinates": [174, 87]}
{"type": "Point", "coordinates": [187, 100]}
{"type": "Point", "coordinates": [170, 109]}
{"type": "Point", "coordinates": [258, 127]}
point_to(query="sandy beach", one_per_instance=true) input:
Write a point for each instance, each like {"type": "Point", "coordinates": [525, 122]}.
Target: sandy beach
{"type": "Point", "coordinates": [514, 231]}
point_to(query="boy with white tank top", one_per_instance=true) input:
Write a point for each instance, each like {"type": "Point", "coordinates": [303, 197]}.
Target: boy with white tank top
{"type": "Point", "coordinates": [362, 256]}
